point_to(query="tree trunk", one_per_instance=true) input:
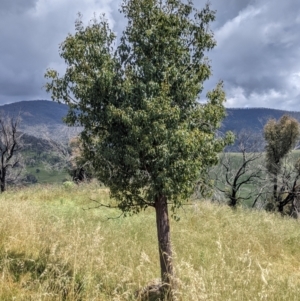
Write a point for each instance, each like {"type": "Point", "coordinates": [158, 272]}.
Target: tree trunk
{"type": "Point", "coordinates": [2, 186]}
{"type": "Point", "coordinates": [2, 180]}
{"type": "Point", "coordinates": [164, 243]}
{"type": "Point", "coordinates": [233, 198]}
{"type": "Point", "coordinates": [275, 185]}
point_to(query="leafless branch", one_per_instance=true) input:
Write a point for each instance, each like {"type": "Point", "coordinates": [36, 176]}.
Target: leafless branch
{"type": "Point", "coordinates": [10, 147]}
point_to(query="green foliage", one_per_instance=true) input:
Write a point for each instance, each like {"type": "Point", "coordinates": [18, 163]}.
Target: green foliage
{"type": "Point", "coordinates": [281, 137]}
{"type": "Point", "coordinates": [68, 184]}
{"type": "Point", "coordinates": [144, 131]}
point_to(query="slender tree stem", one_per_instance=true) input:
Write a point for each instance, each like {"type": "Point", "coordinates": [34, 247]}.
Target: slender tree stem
{"type": "Point", "coordinates": [164, 241]}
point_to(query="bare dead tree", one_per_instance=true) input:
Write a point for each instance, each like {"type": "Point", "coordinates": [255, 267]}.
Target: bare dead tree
{"type": "Point", "coordinates": [10, 150]}
{"type": "Point", "coordinates": [288, 199]}
{"type": "Point", "coordinates": [241, 169]}
{"type": "Point", "coordinates": [56, 141]}
{"type": "Point", "coordinates": [65, 152]}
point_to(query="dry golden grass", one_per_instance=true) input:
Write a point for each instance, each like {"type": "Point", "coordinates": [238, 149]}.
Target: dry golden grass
{"type": "Point", "coordinates": [52, 249]}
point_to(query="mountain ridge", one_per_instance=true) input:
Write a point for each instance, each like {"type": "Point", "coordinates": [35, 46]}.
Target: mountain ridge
{"type": "Point", "coordinates": [50, 114]}
{"type": "Point", "coordinates": [253, 119]}
{"type": "Point", "coordinates": [33, 112]}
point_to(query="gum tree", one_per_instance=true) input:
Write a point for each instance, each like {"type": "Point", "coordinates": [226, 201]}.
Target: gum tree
{"type": "Point", "coordinates": [145, 134]}
{"type": "Point", "coordinates": [281, 137]}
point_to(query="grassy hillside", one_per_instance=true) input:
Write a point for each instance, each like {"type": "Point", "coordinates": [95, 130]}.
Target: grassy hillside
{"type": "Point", "coordinates": [41, 165]}
{"type": "Point", "coordinates": [52, 249]}
{"type": "Point", "coordinates": [45, 176]}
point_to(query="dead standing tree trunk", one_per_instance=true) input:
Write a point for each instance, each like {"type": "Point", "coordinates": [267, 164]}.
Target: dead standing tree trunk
{"type": "Point", "coordinates": [2, 178]}
{"type": "Point", "coordinates": [10, 147]}
{"type": "Point", "coordinates": [288, 196]}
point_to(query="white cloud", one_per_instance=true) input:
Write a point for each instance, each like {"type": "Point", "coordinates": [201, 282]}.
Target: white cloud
{"type": "Point", "coordinates": [233, 26]}
{"type": "Point", "coordinates": [237, 97]}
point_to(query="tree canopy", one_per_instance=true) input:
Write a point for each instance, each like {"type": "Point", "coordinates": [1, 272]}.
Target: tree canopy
{"type": "Point", "coordinates": [281, 137]}
{"type": "Point", "coordinates": [145, 133]}
{"type": "Point", "coordinates": [143, 126]}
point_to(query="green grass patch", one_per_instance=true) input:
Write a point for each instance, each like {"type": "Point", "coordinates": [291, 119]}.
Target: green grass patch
{"type": "Point", "coordinates": [39, 165]}
{"type": "Point", "coordinates": [45, 176]}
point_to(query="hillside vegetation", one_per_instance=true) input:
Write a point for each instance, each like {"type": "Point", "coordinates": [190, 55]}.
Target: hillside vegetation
{"type": "Point", "coordinates": [52, 249]}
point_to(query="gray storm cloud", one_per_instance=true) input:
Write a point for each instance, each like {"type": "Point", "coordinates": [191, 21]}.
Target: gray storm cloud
{"type": "Point", "coordinates": [257, 55]}
{"type": "Point", "coordinates": [16, 6]}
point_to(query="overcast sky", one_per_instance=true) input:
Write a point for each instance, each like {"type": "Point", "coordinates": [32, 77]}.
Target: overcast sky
{"type": "Point", "coordinates": [257, 56]}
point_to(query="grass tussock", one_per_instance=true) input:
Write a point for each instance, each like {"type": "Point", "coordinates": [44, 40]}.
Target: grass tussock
{"type": "Point", "coordinates": [53, 249]}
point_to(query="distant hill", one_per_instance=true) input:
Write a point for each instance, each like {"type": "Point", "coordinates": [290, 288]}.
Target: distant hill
{"type": "Point", "coordinates": [252, 119]}
{"type": "Point", "coordinates": [42, 119]}
{"type": "Point", "coordinates": [40, 115]}
{"type": "Point", "coordinates": [37, 112]}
